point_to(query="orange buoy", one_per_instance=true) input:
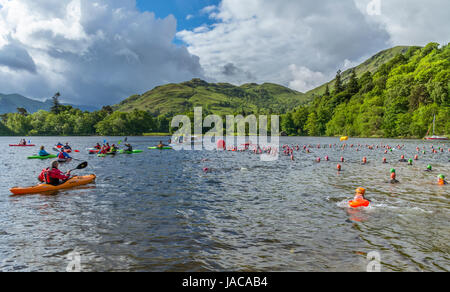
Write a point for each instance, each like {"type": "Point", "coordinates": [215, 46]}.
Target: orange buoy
{"type": "Point", "coordinates": [359, 203]}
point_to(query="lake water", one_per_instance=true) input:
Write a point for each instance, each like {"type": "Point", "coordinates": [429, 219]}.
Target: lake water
{"type": "Point", "coordinates": [159, 211]}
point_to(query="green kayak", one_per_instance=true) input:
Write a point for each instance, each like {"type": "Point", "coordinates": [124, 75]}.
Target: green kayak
{"type": "Point", "coordinates": [130, 152]}
{"type": "Point", "coordinates": [109, 153]}
{"type": "Point", "coordinates": [163, 148]}
{"type": "Point", "coordinates": [42, 157]}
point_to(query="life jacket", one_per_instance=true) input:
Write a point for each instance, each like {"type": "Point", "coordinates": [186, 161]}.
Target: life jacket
{"type": "Point", "coordinates": [44, 176]}
{"type": "Point", "coordinates": [61, 156]}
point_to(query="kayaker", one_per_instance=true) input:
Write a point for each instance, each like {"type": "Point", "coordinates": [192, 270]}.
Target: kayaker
{"type": "Point", "coordinates": [113, 149]}
{"type": "Point", "coordinates": [55, 175]}
{"type": "Point", "coordinates": [161, 145]}
{"type": "Point", "coordinates": [129, 148]}
{"type": "Point", "coordinates": [63, 156]}
{"type": "Point", "coordinates": [103, 150]}
{"type": "Point", "coordinates": [67, 147]}
{"type": "Point", "coordinates": [98, 146]}
{"type": "Point", "coordinates": [23, 142]}
{"type": "Point", "coordinates": [42, 152]}
{"type": "Point", "coordinates": [107, 147]}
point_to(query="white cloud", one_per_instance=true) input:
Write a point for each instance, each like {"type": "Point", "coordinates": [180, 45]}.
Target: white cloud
{"type": "Point", "coordinates": [305, 79]}
{"type": "Point", "coordinates": [412, 22]}
{"type": "Point", "coordinates": [265, 38]}
{"type": "Point", "coordinates": [93, 52]}
{"type": "Point", "coordinates": [208, 9]}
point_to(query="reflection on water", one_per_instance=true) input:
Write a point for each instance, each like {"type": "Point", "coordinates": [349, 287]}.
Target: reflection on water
{"type": "Point", "coordinates": [159, 211]}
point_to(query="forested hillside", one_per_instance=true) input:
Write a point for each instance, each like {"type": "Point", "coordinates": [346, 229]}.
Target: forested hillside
{"type": "Point", "coordinates": [398, 100]}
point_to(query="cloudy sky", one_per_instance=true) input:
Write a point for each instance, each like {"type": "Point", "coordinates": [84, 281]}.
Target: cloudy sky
{"type": "Point", "coordinates": [99, 52]}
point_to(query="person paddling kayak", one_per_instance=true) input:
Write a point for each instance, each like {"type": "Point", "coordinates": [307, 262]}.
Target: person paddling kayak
{"type": "Point", "coordinates": [63, 156]}
{"type": "Point", "coordinates": [67, 147]}
{"type": "Point", "coordinates": [42, 152]}
{"type": "Point", "coordinates": [53, 175]}
{"type": "Point", "coordinates": [129, 148]}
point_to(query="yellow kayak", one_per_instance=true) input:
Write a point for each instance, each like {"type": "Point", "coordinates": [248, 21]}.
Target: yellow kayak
{"type": "Point", "coordinates": [71, 183]}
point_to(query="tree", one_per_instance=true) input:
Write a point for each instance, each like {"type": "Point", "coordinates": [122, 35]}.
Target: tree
{"type": "Point", "coordinates": [338, 83]}
{"type": "Point", "coordinates": [56, 108]}
{"type": "Point", "coordinates": [353, 86]}
{"type": "Point", "coordinates": [327, 91]}
{"type": "Point", "coordinates": [22, 111]}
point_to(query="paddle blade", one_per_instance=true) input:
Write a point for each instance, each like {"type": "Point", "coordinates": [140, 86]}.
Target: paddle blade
{"type": "Point", "coordinates": [82, 165]}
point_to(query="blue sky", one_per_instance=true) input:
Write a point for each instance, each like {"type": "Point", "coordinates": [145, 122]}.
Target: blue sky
{"type": "Point", "coordinates": [180, 9]}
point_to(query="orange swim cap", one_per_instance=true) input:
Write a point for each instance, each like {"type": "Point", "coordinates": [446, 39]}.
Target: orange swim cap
{"type": "Point", "coordinates": [361, 191]}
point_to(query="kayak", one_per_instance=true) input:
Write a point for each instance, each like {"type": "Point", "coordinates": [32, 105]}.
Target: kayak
{"type": "Point", "coordinates": [29, 145]}
{"type": "Point", "coordinates": [94, 151]}
{"type": "Point", "coordinates": [109, 153]}
{"type": "Point", "coordinates": [130, 152]}
{"type": "Point", "coordinates": [71, 183]}
{"type": "Point", "coordinates": [42, 157]}
{"type": "Point", "coordinates": [163, 148]}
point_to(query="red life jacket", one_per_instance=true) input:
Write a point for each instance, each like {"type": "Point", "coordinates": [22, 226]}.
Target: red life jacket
{"type": "Point", "coordinates": [44, 176]}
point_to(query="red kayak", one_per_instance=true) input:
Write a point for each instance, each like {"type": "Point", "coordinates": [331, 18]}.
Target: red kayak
{"type": "Point", "coordinates": [29, 145]}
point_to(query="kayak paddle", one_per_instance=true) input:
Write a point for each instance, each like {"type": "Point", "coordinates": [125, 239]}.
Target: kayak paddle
{"type": "Point", "coordinates": [81, 166]}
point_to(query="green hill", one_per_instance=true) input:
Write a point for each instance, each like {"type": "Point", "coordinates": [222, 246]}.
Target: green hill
{"type": "Point", "coordinates": [371, 65]}
{"type": "Point", "coordinates": [218, 98]}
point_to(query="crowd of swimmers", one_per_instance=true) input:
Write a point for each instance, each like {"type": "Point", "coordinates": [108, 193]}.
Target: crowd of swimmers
{"type": "Point", "coordinates": [289, 151]}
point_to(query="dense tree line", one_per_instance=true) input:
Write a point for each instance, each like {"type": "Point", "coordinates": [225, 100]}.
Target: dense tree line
{"type": "Point", "coordinates": [68, 121]}
{"type": "Point", "coordinates": [398, 100]}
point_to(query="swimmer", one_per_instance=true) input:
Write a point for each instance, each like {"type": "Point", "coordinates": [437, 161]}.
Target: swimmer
{"type": "Point", "coordinates": [441, 180]}
{"type": "Point", "coordinates": [403, 159]}
{"type": "Point", "coordinates": [359, 200]}
{"type": "Point", "coordinates": [393, 178]}
{"type": "Point", "coordinates": [410, 162]}
{"type": "Point", "coordinates": [429, 168]}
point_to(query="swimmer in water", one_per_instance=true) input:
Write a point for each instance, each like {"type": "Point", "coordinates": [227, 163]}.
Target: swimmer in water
{"type": "Point", "coordinates": [393, 177]}
{"type": "Point", "coordinates": [359, 195]}
{"type": "Point", "coordinates": [441, 180]}
{"type": "Point", "coordinates": [429, 168]}
{"type": "Point", "coordinates": [359, 200]}
{"type": "Point", "coordinates": [403, 159]}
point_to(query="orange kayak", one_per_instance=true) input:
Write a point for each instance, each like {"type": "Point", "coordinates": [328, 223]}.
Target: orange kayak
{"type": "Point", "coordinates": [71, 183]}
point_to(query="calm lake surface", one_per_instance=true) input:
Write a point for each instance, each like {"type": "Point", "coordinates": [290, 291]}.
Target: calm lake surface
{"type": "Point", "coordinates": [158, 211]}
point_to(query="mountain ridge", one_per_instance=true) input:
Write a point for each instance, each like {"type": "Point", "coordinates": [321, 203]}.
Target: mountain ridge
{"type": "Point", "coordinates": [10, 102]}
